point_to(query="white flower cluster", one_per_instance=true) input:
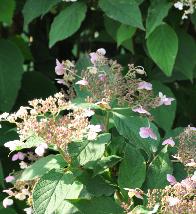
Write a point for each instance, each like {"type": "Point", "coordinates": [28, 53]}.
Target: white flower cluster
{"type": "Point", "coordinates": [188, 7]}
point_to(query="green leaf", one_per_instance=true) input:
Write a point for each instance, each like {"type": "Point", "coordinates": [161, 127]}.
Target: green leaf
{"type": "Point", "coordinates": [96, 185]}
{"type": "Point", "coordinates": [132, 170]}
{"type": "Point", "coordinates": [52, 189]}
{"type": "Point", "coordinates": [156, 12]}
{"type": "Point", "coordinates": [125, 11]}
{"type": "Point", "coordinates": [99, 166]}
{"type": "Point", "coordinates": [158, 170]}
{"type": "Point", "coordinates": [85, 151]}
{"type": "Point", "coordinates": [7, 8]}
{"type": "Point", "coordinates": [164, 115]}
{"type": "Point", "coordinates": [23, 45]}
{"type": "Point", "coordinates": [42, 166]}
{"type": "Point", "coordinates": [163, 46]}
{"type": "Point", "coordinates": [2, 185]}
{"type": "Point", "coordinates": [67, 22]}
{"type": "Point", "coordinates": [129, 127]}
{"type": "Point", "coordinates": [11, 62]}
{"type": "Point", "coordinates": [32, 9]}
{"type": "Point", "coordinates": [185, 60]}
{"type": "Point", "coordinates": [124, 33]}
{"type": "Point", "coordinates": [100, 205]}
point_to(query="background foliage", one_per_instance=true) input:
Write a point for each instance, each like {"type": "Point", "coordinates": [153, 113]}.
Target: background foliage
{"type": "Point", "coordinates": [147, 33]}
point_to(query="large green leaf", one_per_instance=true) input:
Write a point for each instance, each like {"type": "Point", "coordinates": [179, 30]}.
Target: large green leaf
{"type": "Point", "coordinates": [132, 170]}
{"type": "Point", "coordinates": [129, 127]}
{"type": "Point", "coordinates": [185, 60]}
{"type": "Point", "coordinates": [52, 189]}
{"type": "Point", "coordinates": [99, 166]}
{"type": "Point", "coordinates": [96, 185]}
{"type": "Point", "coordinates": [158, 170]}
{"type": "Point", "coordinates": [164, 115]}
{"type": "Point", "coordinates": [156, 12]}
{"type": "Point", "coordinates": [86, 151]}
{"type": "Point", "coordinates": [42, 166]}
{"type": "Point", "coordinates": [7, 10]}
{"type": "Point", "coordinates": [100, 205]}
{"type": "Point", "coordinates": [125, 11]}
{"type": "Point", "coordinates": [67, 22]}
{"type": "Point", "coordinates": [163, 47]}
{"type": "Point", "coordinates": [32, 9]}
{"type": "Point", "coordinates": [124, 33]}
{"type": "Point", "coordinates": [11, 62]}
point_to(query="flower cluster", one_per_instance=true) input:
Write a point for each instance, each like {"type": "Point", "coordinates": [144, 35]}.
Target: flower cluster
{"type": "Point", "coordinates": [105, 82]}
{"type": "Point", "coordinates": [22, 190]}
{"type": "Point", "coordinates": [187, 147]}
{"type": "Point", "coordinates": [188, 7]}
{"type": "Point", "coordinates": [54, 120]}
{"type": "Point", "coordinates": [180, 197]}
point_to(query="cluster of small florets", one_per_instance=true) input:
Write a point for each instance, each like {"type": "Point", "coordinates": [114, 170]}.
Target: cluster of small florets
{"type": "Point", "coordinates": [22, 190]}
{"type": "Point", "coordinates": [187, 147]}
{"type": "Point", "coordinates": [105, 82]}
{"type": "Point", "coordinates": [177, 198]}
{"type": "Point", "coordinates": [54, 120]}
{"type": "Point", "coordinates": [187, 6]}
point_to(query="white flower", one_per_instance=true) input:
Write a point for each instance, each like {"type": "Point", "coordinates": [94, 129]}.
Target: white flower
{"type": "Point", "coordinates": [40, 150]}
{"type": "Point", "coordinates": [101, 51]}
{"type": "Point", "coordinates": [95, 128]}
{"type": "Point", "coordinates": [12, 145]}
{"type": "Point", "coordinates": [20, 196]}
{"type": "Point", "coordinates": [172, 201]}
{"type": "Point", "coordinates": [89, 113]}
{"type": "Point", "coordinates": [7, 202]}
{"type": "Point", "coordinates": [92, 135]}
{"type": "Point", "coordinates": [178, 5]}
{"type": "Point", "coordinates": [23, 165]}
{"type": "Point", "coordinates": [4, 116]}
{"type": "Point", "coordinates": [28, 210]}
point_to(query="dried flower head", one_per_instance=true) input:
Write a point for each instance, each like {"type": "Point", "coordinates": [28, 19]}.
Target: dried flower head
{"type": "Point", "coordinates": [187, 147]}
{"type": "Point", "coordinates": [54, 120]}
{"type": "Point", "coordinates": [179, 198]}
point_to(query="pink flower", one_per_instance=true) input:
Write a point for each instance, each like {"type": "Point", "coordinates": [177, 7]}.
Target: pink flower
{"type": "Point", "coordinates": [172, 201]}
{"type": "Point", "coordinates": [101, 51]}
{"type": "Point", "coordinates": [82, 82]}
{"type": "Point", "coordinates": [146, 132]}
{"type": "Point", "coordinates": [140, 110]}
{"type": "Point", "coordinates": [7, 202]}
{"type": "Point", "coordinates": [134, 192]}
{"type": "Point", "coordinates": [171, 179]}
{"type": "Point", "coordinates": [40, 150]}
{"type": "Point", "coordinates": [60, 81]}
{"type": "Point", "coordinates": [145, 85]}
{"type": "Point", "coordinates": [191, 128]}
{"type": "Point", "coordinates": [18, 156]}
{"type": "Point", "coordinates": [94, 57]}
{"type": "Point", "coordinates": [102, 77]}
{"type": "Point", "coordinates": [169, 141]}
{"type": "Point", "coordinates": [59, 69]}
{"type": "Point", "coordinates": [165, 100]}
{"type": "Point", "coordinates": [9, 178]}
{"type": "Point", "coordinates": [9, 192]}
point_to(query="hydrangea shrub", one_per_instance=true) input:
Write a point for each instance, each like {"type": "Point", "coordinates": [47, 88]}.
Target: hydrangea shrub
{"type": "Point", "coordinates": [95, 148]}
